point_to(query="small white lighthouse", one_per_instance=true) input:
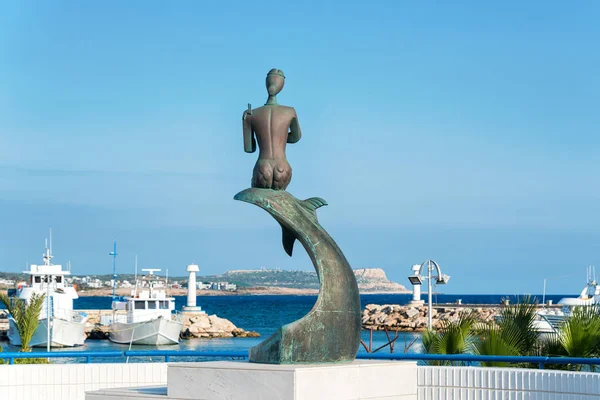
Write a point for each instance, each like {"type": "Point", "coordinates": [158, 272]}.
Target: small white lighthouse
{"type": "Point", "coordinates": [191, 296]}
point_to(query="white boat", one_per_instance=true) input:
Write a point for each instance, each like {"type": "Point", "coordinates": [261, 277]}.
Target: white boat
{"type": "Point", "coordinates": [67, 327]}
{"type": "Point", "coordinates": [149, 318]}
{"type": "Point", "coordinates": [550, 320]}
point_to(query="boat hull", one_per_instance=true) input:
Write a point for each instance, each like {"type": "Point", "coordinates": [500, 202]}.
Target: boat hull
{"type": "Point", "coordinates": [155, 332]}
{"type": "Point", "coordinates": [63, 333]}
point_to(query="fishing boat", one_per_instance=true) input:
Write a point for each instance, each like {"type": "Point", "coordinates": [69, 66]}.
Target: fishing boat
{"type": "Point", "coordinates": [550, 320]}
{"type": "Point", "coordinates": [59, 325]}
{"type": "Point", "coordinates": [149, 314]}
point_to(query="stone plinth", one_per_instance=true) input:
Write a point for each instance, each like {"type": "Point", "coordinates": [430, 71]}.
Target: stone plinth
{"type": "Point", "coordinates": [220, 380]}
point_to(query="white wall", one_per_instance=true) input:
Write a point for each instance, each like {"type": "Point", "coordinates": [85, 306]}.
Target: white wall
{"type": "Point", "coordinates": [471, 383]}
{"type": "Point", "coordinates": [71, 381]}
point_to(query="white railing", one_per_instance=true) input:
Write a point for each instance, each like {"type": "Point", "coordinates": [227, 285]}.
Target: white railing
{"type": "Point", "coordinates": [71, 381]}
{"type": "Point", "coordinates": [473, 383]}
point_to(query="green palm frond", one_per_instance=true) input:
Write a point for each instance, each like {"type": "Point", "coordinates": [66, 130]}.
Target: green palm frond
{"type": "Point", "coordinates": [550, 346]}
{"type": "Point", "coordinates": [513, 334]}
{"type": "Point", "coordinates": [493, 341]}
{"type": "Point", "coordinates": [453, 337]}
{"type": "Point", "coordinates": [517, 325]}
{"type": "Point", "coordinates": [25, 315]}
{"type": "Point", "coordinates": [579, 335]}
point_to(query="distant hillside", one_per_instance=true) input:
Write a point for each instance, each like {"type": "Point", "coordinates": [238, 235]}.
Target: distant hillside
{"type": "Point", "coordinates": [368, 279]}
{"type": "Point", "coordinates": [273, 277]}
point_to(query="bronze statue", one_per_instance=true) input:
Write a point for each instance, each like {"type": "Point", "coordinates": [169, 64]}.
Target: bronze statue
{"type": "Point", "coordinates": [330, 332]}
{"type": "Point", "coordinates": [270, 123]}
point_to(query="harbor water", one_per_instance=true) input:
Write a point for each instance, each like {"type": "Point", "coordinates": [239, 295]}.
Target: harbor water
{"type": "Point", "coordinates": [264, 314]}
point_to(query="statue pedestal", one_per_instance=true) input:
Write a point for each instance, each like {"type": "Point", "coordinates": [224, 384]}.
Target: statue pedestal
{"type": "Point", "coordinates": [220, 380]}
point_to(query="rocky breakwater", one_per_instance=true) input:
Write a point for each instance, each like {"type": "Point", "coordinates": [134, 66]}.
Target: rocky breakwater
{"type": "Point", "coordinates": [202, 325]}
{"type": "Point", "coordinates": [414, 319]}
{"type": "Point", "coordinates": [195, 325]}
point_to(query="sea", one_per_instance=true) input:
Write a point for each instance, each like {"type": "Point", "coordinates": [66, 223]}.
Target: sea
{"type": "Point", "coordinates": [264, 314]}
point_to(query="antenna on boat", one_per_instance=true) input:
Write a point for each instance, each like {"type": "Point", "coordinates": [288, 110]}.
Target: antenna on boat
{"type": "Point", "coordinates": [47, 256]}
{"type": "Point", "coordinates": [135, 276]}
{"type": "Point", "coordinates": [150, 280]}
{"type": "Point", "coordinates": [49, 304]}
{"type": "Point", "coordinates": [151, 270]}
{"type": "Point", "coordinates": [167, 281]}
{"type": "Point", "coordinates": [114, 255]}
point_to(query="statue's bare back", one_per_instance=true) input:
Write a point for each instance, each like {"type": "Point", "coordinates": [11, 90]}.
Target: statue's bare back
{"type": "Point", "coordinates": [273, 126]}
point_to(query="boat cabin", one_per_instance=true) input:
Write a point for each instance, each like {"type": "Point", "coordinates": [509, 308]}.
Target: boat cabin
{"type": "Point", "coordinates": [148, 301]}
{"type": "Point", "coordinates": [50, 279]}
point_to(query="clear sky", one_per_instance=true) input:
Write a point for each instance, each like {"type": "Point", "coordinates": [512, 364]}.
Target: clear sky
{"type": "Point", "coordinates": [466, 132]}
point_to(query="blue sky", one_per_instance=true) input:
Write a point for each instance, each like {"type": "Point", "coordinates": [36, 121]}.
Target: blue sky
{"type": "Point", "coordinates": [464, 132]}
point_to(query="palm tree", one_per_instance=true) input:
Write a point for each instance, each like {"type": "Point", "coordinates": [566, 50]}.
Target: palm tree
{"type": "Point", "coordinates": [494, 341]}
{"type": "Point", "coordinates": [579, 335]}
{"type": "Point", "coordinates": [513, 334]}
{"type": "Point", "coordinates": [453, 337]}
{"type": "Point", "coordinates": [25, 315]}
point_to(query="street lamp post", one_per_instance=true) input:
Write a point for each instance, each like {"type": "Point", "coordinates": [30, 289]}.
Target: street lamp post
{"type": "Point", "coordinates": [429, 296]}
{"type": "Point", "coordinates": [417, 279]}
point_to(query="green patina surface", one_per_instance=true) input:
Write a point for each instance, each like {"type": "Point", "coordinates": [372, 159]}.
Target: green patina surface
{"type": "Point", "coordinates": [330, 332]}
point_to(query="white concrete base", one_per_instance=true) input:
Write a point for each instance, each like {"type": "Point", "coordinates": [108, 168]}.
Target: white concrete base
{"type": "Point", "coordinates": [223, 380]}
{"type": "Point", "coordinates": [193, 309]}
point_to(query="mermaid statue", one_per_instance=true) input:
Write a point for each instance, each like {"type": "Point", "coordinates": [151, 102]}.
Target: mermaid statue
{"type": "Point", "coordinates": [330, 332]}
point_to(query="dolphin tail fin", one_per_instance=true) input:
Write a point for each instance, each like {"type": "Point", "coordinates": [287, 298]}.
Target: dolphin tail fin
{"type": "Point", "coordinates": [313, 203]}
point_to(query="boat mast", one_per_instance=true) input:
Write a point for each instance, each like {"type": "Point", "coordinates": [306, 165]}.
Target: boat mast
{"type": "Point", "coordinates": [135, 277]}
{"type": "Point", "coordinates": [47, 258]}
{"type": "Point", "coordinates": [167, 283]}
{"type": "Point", "coordinates": [114, 255]}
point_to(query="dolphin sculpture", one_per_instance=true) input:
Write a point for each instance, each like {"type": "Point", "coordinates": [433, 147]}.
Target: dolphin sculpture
{"type": "Point", "coordinates": [330, 332]}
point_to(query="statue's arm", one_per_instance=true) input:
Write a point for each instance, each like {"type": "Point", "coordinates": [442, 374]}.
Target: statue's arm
{"type": "Point", "coordinates": [249, 140]}
{"type": "Point", "coordinates": [295, 132]}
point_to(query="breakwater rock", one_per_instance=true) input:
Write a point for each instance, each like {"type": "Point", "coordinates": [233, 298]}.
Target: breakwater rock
{"type": "Point", "coordinates": [98, 333]}
{"type": "Point", "coordinates": [414, 318]}
{"type": "Point", "coordinates": [202, 325]}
